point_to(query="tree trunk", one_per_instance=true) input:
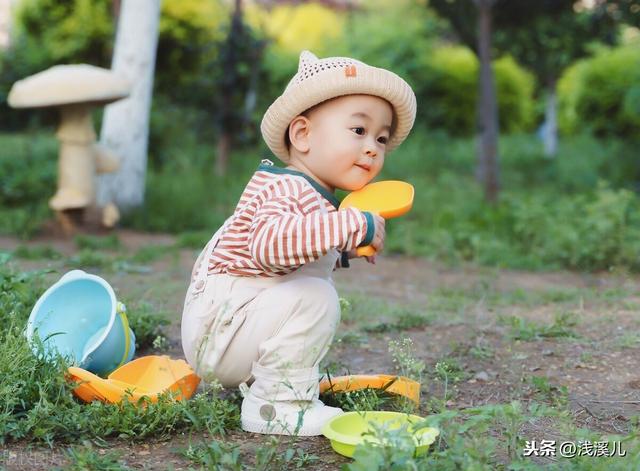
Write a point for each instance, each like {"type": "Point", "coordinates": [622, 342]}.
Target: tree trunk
{"type": "Point", "coordinates": [229, 64]}
{"type": "Point", "coordinates": [222, 151]}
{"type": "Point", "coordinates": [6, 20]}
{"type": "Point", "coordinates": [252, 94]}
{"type": "Point", "coordinates": [550, 134]}
{"type": "Point", "coordinates": [125, 127]}
{"type": "Point", "coordinates": [488, 171]}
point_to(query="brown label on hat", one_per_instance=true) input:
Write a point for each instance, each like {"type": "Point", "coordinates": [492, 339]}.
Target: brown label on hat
{"type": "Point", "coordinates": [350, 71]}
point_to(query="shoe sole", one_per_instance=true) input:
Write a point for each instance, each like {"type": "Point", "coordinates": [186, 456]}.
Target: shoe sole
{"type": "Point", "coordinates": [275, 428]}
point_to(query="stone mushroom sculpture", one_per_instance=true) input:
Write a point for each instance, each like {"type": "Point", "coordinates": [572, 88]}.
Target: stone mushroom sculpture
{"type": "Point", "coordinates": [76, 90]}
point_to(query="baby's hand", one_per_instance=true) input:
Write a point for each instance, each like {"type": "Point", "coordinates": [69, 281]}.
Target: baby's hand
{"type": "Point", "coordinates": [369, 258]}
{"type": "Point", "coordinates": [377, 243]}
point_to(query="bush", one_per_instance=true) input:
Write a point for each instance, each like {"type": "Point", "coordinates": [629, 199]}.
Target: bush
{"type": "Point", "coordinates": [602, 94]}
{"type": "Point", "coordinates": [515, 87]}
{"type": "Point", "coordinates": [451, 92]}
{"type": "Point", "coordinates": [28, 169]}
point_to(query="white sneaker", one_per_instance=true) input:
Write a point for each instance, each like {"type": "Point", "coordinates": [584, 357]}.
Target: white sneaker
{"type": "Point", "coordinates": [302, 418]}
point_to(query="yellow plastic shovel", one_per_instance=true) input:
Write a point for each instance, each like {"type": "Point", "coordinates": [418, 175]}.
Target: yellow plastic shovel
{"type": "Point", "coordinates": [389, 199]}
{"type": "Point", "coordinates": [146, 376]}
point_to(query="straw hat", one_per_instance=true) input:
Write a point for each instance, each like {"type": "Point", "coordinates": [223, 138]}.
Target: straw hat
{"type": "Point", "coordinates": [318, 80]}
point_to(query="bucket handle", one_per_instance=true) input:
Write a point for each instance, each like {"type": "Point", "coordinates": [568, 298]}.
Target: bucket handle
{"type": "Point", "coordinates": [122, 312]}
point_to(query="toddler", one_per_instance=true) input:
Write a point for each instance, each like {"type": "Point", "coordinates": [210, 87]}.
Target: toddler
{"type": "Point", "coordinates": [261, 307]}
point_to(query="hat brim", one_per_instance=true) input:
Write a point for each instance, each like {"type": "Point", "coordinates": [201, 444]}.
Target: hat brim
{"type": "Point", "coordinates": [332, 84]}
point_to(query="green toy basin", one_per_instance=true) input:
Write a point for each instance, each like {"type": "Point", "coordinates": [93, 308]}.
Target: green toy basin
{"type": "Point", "coordinates": [346, 430]}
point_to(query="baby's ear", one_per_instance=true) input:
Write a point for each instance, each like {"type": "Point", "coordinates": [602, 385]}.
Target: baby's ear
{"type": "Point", "coordinates": [299, 133]}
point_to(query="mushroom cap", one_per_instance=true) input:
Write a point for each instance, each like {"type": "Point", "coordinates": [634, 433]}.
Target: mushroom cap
{"type": "Point", "coordinates": [68, 84]}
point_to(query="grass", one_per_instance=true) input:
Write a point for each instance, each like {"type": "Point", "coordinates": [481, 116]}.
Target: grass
{"type": "Point", "coordinates": [38, 404]}
{"type": "Point", "coordinates": [271, 455]}
{"type": "Point", "coordinates": [147, 324]}
{"type": "Point", "coordinates": [39, 407]}
{"type": "Point", "coordinates": [87, 457]}
{"type": "Point", "coordinates": [104, 254]}
{"type": "Point", "coordinates": [39, 252]}
{"type": "Point", "coordinates": [109, 242]}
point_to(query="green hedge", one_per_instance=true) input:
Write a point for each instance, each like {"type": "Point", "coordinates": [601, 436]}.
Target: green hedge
{"type": "Point", "coordinates": [451, 92]}
{"type": "Point", "coordinates": [602, 94]}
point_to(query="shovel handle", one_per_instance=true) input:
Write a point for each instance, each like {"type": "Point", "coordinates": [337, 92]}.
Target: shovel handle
{"type": "Point", "coordinates": [366, 251]}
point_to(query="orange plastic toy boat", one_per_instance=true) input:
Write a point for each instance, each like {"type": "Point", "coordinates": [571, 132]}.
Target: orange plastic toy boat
{"type": "Point", "coordinates": [146, 376]}
{"type": "Point", "coordinates": [389, 199]}
{"type": "Point", "coordinates": [392, 384]}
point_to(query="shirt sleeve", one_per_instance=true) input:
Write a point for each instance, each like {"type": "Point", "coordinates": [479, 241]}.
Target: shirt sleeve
{"type": "Point", "coordinates": [282, 236]}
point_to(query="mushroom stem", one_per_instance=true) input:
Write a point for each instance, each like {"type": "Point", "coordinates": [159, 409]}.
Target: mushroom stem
{"type": "Point", "coordinates": [76, 124]}
{"type": "Point", "coordinates": [76, 164]}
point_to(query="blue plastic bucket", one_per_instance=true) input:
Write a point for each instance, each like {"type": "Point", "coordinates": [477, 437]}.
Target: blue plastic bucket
{"type": "Point", "coordinates": [80, 318]}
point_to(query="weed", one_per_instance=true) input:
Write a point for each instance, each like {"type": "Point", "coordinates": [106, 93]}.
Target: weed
{"type": "Point", "coordinates": [403, 354]}
{"type": "Point", "coordinates": [224, 456]}
{"type": "Point", "coordinates": [449, 370]}
{"type": "Point", "coordinates": [385, 448]}
{"type": "Point", "coordinates": [351, 338]}
{"type": "Point", "coordinates": [160, 343]}
{"type": "Point", "coordinates": [361, 399]}
{"type": "Point", "coordinates": [86, 258]}
{"type": "Point", "coordinates": [269, 457]}
{"type": "Point", "coordinates": [523, 329]}
{"type": "Point", "coordinates": [586, 357]}
{"type": "Point", "coordinates": [152, 253]}
{"type": "Point", "coordinates": [403, 320]}
{"type": "Point", "coordinates": [545, 391]}
{"type": "Point", "coordinates": [379, 328]}
{"type": "Point", "coordinates": [147, 325]}
{"type": "Point", "coordinates": [345, 306]}
{"type": "Point", "coordinates": [85, 457]}
{"type": "Point", "coordinates": [37, 252]}
{"type": "Point", "coordinates": [193, 239]}
{"type": "Point", "coordinates": [482, 352]}
{"type": "Point", "coordinates": [628, 340]}
{"type": "Point", "coordinates": [110, 242]}
{"type": "Point", "coordinates": [408, 320]}
{"type": "Point", "coordinates": [214, 455]}
{"type": "Point", "coordinates": [334, 367]}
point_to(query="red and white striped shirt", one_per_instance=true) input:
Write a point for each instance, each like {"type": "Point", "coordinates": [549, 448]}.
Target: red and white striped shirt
{"type": "Point", "coordinates": [283, 220]}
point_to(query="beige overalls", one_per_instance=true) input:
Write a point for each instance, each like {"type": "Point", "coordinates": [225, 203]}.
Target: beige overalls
{"type": "Point", "coordinates": [233, 326]}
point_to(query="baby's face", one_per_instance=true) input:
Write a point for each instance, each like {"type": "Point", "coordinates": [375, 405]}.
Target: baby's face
{"type": "Point", "coordinates": [346, 141]}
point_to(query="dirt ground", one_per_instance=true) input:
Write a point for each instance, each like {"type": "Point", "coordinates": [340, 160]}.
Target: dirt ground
{"type": "Point", "coordinates": [599, 367]}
